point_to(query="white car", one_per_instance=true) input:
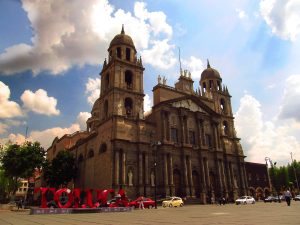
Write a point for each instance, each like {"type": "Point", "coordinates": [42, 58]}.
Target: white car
{"type": "Point", "coordinates": [245, 200]}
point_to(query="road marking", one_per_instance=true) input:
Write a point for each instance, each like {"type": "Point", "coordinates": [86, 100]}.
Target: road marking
{"type": "Point", "coordinates": [220, 213]}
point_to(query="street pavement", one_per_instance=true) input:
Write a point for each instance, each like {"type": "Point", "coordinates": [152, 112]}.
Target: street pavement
{"type": "Point", "coordinates": [259, 213]}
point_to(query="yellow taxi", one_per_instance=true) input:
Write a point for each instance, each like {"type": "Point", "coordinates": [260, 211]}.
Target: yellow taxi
{"type": "Point", "coordinates": [172, 202]}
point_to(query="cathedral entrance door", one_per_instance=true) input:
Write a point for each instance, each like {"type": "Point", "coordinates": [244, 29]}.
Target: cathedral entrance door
{"type": "Point", "coordinates": [177, 182]}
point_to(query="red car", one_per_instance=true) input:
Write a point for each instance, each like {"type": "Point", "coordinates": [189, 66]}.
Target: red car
{"type": "Point", "coordinates": [148, 203]}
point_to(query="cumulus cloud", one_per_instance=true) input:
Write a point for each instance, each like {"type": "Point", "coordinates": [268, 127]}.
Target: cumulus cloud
{"type": "Point", "coordinates": [45, 137]}
{"type": "Point", "coordinates": [82, 118]}
{"type": "Point", "coordinates": [282, 16]}
{"type": "Point", "coordinates": [68, 33]}
{"type": "Point", "coordinates": [92, 89]}
{"type": "Point", "coordinates": [147, 103]}
{"type": "Point", "coordinates": [39, 102]}
{"type": "Point", "coordinates": [195, 66]}
{"type": "Point", "coordinates": [261, 138]}
{"type": "Point", "coordinates": [8, 109]}
{"type": "Point", "coordinates": [290, 106]}
{"type": "Point", "coordinates": [241, 14]}
{"type": "Point", "coordinates": [160, 55]}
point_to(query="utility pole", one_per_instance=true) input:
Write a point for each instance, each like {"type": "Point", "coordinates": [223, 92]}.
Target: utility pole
{"type": "Point", "coordinates": [295, 172]}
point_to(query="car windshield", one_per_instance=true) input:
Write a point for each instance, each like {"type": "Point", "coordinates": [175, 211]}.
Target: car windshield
{"type": "Point", "coordinates": [243, 197]}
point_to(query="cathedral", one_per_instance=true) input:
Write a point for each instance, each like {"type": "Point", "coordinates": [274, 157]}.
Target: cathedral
{"type": "Point", "coordinates": [186, 146]}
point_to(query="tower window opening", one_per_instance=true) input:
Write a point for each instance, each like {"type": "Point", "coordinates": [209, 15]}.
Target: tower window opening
{"type": "Point", "coordinates": [210, 84]}
{"type": "Point", "coordinates": [103, 148]}
{"type": "Point", "coordinates": [219, 85]}
{"type": "Point", "coordinates": [128, 54]}
{"type": "Point", "coordinates": [128, 79]}
{"type": "Point", "coordinates": [225, 127]}
{"type": "Point", "coordinates": [107, 81]}
{"type": "Point", "coordinates": [208, 140]}
{"type": "Point", "coordinates": [128, 106]}
{"type": "Point", "coordinates": [119, 52]}
{"type": "Point", "coordinates": [204, 86]}
{"type": "Point", "coordinates": [222, 105]}
{"type": "Point", "coordinates": [105, 109]}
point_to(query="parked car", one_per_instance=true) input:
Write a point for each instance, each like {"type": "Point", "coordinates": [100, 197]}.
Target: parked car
{"type": "Point", "coordinates": [297, 198]}
{"type": "Point", "coordinates": [245, 200]}
{"type": "Point", "coordinates": [281, 197]}
{"type": "Point", "coordinates": [148, 203]}
{"type": "Point", "coordinates": [269, 199]}
{"type": "Point", "coordinates": [172, 202]}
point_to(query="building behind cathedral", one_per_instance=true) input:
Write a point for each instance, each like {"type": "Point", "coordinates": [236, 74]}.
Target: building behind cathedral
{"type": "Point", "coordinates": [188, 137]}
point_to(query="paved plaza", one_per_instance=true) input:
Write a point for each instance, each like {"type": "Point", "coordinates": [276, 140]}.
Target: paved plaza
{"type": "Point", "coordinates": [259, 213]}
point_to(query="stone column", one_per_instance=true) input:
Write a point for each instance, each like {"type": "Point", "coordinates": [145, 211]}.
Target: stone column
{"type": "Point", "coordinates": [163, 126]}
{"type": "Point", "coordinates": [146, 169]}
{"type": "Point", "coordinates": [220, 176]}
{"type": "Point", "coordinates": [123, 168]}
{"type": "Point", "coordinates": [117, 164]}
{"type": "Point", "coordinates": [140, 163]}
{"type": "Point", "coordinates": [166, 180]}
{"type": "Point", "coordinates": [224, 179]}
{"type": "Point", "coordinates": [171, 179]}
{"type": "Point", "coordinates": [208, 185]}
{"type": "Point", "coordinates": [203, 184]}
{"type": "Point", "coordinates": [192, 188]}
{"type": "Point", "coordinates": [185, 176]}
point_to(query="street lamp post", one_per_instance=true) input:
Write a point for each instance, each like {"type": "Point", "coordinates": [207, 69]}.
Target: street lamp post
{"type": "Point", "coordinates": [267, 159]}
{"type": "Point", "coordinates": [155, 145]}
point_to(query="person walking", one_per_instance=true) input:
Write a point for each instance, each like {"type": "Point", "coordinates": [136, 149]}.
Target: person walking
{"type": "Point", "coordinates": [141, 204]}
{"type": "Point", "coordinates": [20, 203]}
{"type": "Point", "coordinates": [288, 196]}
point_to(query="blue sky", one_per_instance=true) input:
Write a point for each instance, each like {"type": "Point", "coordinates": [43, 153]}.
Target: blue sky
{"type": "Point", "coordinates": [51, 53]}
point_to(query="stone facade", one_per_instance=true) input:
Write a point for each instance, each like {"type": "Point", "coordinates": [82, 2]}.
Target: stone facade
{"type": "Point", "coordinates": [186, 146]}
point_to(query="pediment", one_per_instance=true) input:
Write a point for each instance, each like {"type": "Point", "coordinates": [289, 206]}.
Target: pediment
{"type": "Point", "coordinates": [188, 104]}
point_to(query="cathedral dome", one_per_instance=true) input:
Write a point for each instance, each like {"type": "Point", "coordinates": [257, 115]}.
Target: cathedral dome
{"type": "Point", "coordinates": [210, 73]}
{"type": "Point", "coordinates": [122, 39]}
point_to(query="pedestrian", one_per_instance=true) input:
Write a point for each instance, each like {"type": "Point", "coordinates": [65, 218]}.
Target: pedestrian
{"type": "Point", "coordinates": [288, 196]}
{"type": "Point", "coordinates": [141, 204]}
{"type": "Point", "coordinates": [212, 200]}
{"type": "Point", "coordinates": [20, 203]}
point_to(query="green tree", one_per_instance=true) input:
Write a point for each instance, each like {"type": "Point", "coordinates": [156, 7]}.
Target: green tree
{"type": "Point", "coordinates": [61, 170]}
{"type": "Point", "coordinates": [6, 186]}
{"type": "Point", "coordinates": [20, 161]}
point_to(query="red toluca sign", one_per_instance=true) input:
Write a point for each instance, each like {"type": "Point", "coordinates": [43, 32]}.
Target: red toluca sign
{"type": "Point", "coordinates": [74, 200]}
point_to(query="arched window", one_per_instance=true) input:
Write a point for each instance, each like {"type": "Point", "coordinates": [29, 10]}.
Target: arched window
{"type": "Point", "coordinates": [80, 158]}
{"type": "Point", "coordinates": [219, 85]}
{"type": "Point", "coordinates": [211, 84]}
{"type": "Point", "coordinates": [119, 52]}
{"type": "Point", "coordinates": [107, 81]}
{"type": "Point", "coordinates": [102, 148]}
{"type": "Point", "coordinates": [105, 110]}
{"type": "Point", "coordinates": [128, 54]}
{"type": "Point", "coordinates": [225, 127]}
{"type": "Point", "coordinates": [204, 86]}
{"type": "Point", "coordinates": [91, 153]}
{"type": "Point", "coordinates": [128, 106]}
{"type": "Point", "coordinates": [222, 105]}
{"type": "Point", "coordinates": [128, 79]}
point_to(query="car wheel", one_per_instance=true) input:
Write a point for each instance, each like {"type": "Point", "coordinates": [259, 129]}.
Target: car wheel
{"type": "Point", "coordinates": [181, 204]}
{"type": "Point", "coordinates": [171, 206]}
{"type": "Point", "coordinates": [150, 207]}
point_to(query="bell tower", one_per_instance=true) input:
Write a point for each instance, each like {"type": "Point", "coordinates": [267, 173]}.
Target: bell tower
{"type": "Point", "coordinates": [122, 91]}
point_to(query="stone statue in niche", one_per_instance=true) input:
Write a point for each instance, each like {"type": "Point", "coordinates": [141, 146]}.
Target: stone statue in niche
{"type": "Point", "coordinates": [119, 108]}
{"type": "Point", "coordinates": [152, 177]}
{"type": "Point", "coordinates": [130, 175]}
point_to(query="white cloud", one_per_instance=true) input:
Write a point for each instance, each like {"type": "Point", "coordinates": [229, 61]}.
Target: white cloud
{"type": "Point", "coordinates": [241, 13]}
{"type": "Point", "coordinates": [92, 88]}
{"type": "Point", "coordinates": [82, 118]}
{"type": "Point", "coordinates": [45, 137]}
{"type": "Point", "coordinates": [147, 103]}
{"type": "Point", "coordinates": [8, 109]}
{"type": "Point", "coordinates": [290, 106]}
{"type": "Point", "coordinates": [261, 138]}
{"type": "Point", "coordinates": [39, 102]}
{"type": "Point", "coordinates": [195, 66]}
{"type": "Point", "coordinates": [160, 55]}
{"type": "Point", "coordinates": [282, 16]}
{"type": "Point", "coordinates": [68, 33]}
